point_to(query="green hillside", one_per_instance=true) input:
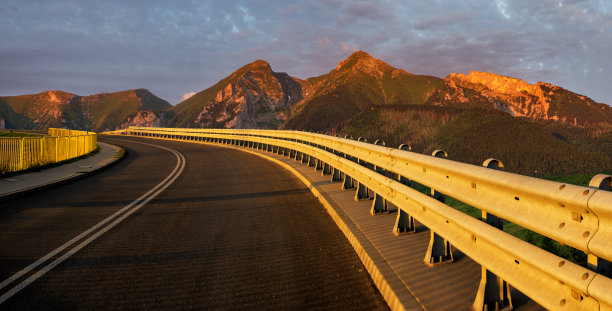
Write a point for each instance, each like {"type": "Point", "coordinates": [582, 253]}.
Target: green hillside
{"type": "Point", "coordinates": [106, 110]}
{"type": "Point", "coordinates": [13, 120]}
{"type": "Point", "coordinates": [472, 136]}
{"type": "Point", "coordinates": [359, 83]}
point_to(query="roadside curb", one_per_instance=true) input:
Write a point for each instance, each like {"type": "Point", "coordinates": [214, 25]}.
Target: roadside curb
{"type": "Point", "coordinates": [119, 155]}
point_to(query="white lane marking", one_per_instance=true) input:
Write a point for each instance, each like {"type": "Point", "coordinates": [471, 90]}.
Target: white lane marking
{"type": "Point", "coordinates": [180, 165]}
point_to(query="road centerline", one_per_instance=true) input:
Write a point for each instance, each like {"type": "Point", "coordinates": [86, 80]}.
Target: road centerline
{"type": "Point", "coordinates": [130, 208]}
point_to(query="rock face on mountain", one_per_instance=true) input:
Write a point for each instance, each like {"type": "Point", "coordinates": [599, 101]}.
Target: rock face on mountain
{"type": "Point", "coordinates": [147, 118]}
{"type": "Point", "coordinates": [98, 112]}
{"type": "Point", "coordinates": [252, 97]}
{"type": "Point", "coordinates": [540, 101]}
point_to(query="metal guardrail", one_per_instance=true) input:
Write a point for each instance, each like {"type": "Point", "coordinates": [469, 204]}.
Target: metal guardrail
{"type": "Point", "coordinates": [20, 153]}
{"type": "Point", "coordinates": [577, 216]}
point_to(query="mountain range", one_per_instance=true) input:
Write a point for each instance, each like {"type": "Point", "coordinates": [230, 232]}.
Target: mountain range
{"type": "Point", "coordinates": [362, 96]}
{"type": "Point", "coordinates": [255, 96]}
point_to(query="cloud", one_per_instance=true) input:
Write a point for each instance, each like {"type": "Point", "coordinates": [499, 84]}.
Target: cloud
{"type": "Point", "coordinates": [187, 95]}
{"type": "Point", "coordinates": [88, 46]}
{"type": "Point", "coordinates": [349, 47]}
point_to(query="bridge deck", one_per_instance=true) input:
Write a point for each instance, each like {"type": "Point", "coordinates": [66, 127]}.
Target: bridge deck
{"type": "Point", "coordinates": [450, 286]}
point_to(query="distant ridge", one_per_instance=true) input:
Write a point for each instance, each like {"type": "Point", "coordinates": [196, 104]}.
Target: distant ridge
{"type": "Point", "coordinates": [97, 112]}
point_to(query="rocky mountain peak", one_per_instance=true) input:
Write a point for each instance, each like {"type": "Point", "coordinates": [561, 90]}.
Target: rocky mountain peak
{"type": "Point", "coordinates": [257, 67]}
{"type": "Point", "coordinates": [362, 61]}
{"type": "Point", "coordinates": [354, 58]}
{"type": "Point", "coordinates": [260, 63]}
{"type": "Point", "coordinates": [253, 96]}
{"type": "Point", "coordinates": [499, 84]}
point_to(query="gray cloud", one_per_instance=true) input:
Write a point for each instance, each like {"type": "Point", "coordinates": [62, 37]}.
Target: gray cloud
{"type": "Point", "coordinates": [177, 47]}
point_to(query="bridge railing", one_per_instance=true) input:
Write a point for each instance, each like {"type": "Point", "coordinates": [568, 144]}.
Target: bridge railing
{"type": "Point", "coordinates": [20, 153]}
{"type": "Point", "coordinates": [577, 216]}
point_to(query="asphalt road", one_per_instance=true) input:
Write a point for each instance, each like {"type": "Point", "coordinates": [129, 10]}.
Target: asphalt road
{"type": "Point", "coordinates": [203, 227]}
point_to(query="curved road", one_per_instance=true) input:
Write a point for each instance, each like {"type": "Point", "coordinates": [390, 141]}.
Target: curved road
{"type": "Point", "coordinates": [186, 226]}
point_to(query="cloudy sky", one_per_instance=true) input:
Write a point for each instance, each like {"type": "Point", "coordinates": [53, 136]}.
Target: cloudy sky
{"type": "Point", "coordinates": [177, 47]}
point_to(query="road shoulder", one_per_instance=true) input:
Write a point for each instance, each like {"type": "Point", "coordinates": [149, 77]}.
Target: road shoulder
{"type": "Point", "coordinates": [28, 183]}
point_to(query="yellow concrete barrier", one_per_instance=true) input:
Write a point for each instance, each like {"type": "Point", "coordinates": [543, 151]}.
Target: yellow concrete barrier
{"type": "Point", "coordinates": [573, 215]}
{"type": "Point", "coordinates": [20, 153]}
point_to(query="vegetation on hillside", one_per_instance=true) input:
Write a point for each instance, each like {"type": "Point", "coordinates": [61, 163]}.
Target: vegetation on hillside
{"type": "Point", "coordinates": [359, 83]}
{"type": "Point", "coordinates": [12, 119]}
{"type": "Point", "coordinates": [472, 136]}
{"type": "Point", "coordinates": [525, 147]}
{"type": "Point", "coordinates": [5, 133]}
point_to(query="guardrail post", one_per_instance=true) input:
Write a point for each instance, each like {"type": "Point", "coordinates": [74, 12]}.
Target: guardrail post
{"type": "Point", "coordinates": [439, 249]}
{"type": "Point", "coordinates": [347, 182]}
{"type": "Point", "coordinates": [21, 142]}
{"type": "Point", "coordinates": [402, 179]}
{"type": "Point", "coordinates": [600, 265]}
{"type": "Point", "coordinates": [361, 193]}
{"type": "Point", "coordinates": [435, 194]}
{"type": "Point", "coordinates": [380, 170]}
{"type": "Point", "coordinates": [404, 223]}
{"type": "Point", "coordinates": [336, 175]}
{"type": "Point", "coordinates": [493, 292]}
{"type": "Point", "coordinates": [41, 154]}
{"type": "Point", "coordinates": [312, 161]}
{"type": "Point", "coordinates": [326, 169]}
{"type": "Point", "coordinates": [379, 205]}
{"type": "Point", "coordinates": [319, 165]}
